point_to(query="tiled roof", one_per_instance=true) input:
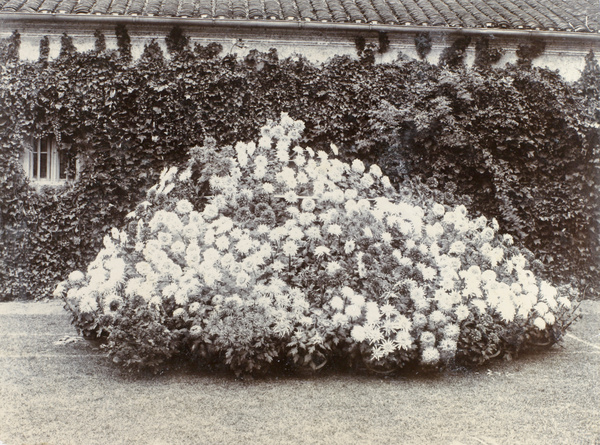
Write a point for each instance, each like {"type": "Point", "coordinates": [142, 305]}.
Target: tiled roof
{"type": "Point", "coordinates": [553, 15]}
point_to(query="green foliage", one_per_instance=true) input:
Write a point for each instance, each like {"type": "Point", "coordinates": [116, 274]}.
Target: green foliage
{"type": "Point", "coordinates": [44, 49]}
{"type": "Point", "coordinates": [9, 48]}
{"type": "Point", "coordinates": [522, 145]}
{"type": "Point", "coordinates": [99, 42]}
{"type": "Point", "coordinates": [423, 44]}
{"type": "Point", "coordinates": [123, 43]}
{"type": "Point", "coordinates": [176, 41]}
{"type": "Point", "coordinates": [527, 52]}
{"type": "Point", "coordinates": [67, 48]}
{"type": "Point", "coordinates": [453, 56]}
{"type": "Point", "coordinates": [485, 56]}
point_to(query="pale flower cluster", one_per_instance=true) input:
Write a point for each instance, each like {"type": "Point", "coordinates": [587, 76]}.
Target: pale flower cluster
{"type": "Point", "coordinates": [400, 277]}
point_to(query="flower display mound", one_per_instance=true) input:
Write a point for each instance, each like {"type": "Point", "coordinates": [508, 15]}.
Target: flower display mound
{"type": "Point", "coordinates": [267, 253]}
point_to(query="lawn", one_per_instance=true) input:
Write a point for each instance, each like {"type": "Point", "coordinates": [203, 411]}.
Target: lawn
{"type": "Point", "coordinates": [61, 393]}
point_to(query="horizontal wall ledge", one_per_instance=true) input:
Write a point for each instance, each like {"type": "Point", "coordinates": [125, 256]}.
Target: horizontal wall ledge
{"type": "Point", "coordinates": [15, 19]}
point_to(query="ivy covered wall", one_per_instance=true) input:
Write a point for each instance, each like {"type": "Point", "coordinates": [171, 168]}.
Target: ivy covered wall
{"type": "Point", "coordinates": [519, 143]}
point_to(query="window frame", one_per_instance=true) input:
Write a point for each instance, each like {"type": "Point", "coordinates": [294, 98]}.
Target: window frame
{"type": "Point", "coordinates": [44, 163]}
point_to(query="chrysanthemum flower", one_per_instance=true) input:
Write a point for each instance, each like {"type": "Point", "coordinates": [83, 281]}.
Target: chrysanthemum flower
{"type": "Point", "coordinates": [290, 248]}
{"type": "Point", "coordinates": [539, 323]}
{"type": "Point", "coordinates": [353, 311]}
{"type": "Point", "coordinates": [430, 356]}
{"type": "Point", "coordinates": [337, 303]}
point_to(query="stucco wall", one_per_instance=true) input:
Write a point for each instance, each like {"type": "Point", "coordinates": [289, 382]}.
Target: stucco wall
{"type": "Point", "coordinates": [562, 53]}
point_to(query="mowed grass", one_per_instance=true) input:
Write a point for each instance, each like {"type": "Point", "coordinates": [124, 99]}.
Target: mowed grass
{"type": "Point", "coordinates": [68, 393]}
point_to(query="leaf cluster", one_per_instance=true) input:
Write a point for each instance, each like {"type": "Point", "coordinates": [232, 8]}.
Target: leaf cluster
{"type": "Point", "coordinates": [521, 144]}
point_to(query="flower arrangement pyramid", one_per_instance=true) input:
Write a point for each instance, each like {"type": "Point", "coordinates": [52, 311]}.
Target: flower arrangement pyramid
{"type": "Point", "coordinates": [297, 257]}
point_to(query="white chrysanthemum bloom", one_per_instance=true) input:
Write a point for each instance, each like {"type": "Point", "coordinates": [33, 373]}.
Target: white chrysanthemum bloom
{"type": "Point", "coordinates": [306, 218]}
{"type": "Point", "coordinates": [350, 193]}
{"type": "Point", "coordinates": [349, 247]}
{"type": "Point", "coordinates": [308, 204]}
{"type": "Point", "coordinates": [388, 310]}
{"type": "Point", "coordinates": [287, 176]}
{"type": "Point", "coordinates": [333, 267]}
{"type": "Point", "coordinates": [321, 251]}
{"type": "Point", "coordinates": [353, 311]}
{"type": "Point", "coordinates": [337, 303]}
{"type": "Point", "coordinates": [437, 318]}
{"type": "Point", "coordinates": [506, 308]}
{"type": "Point", "coordinates": [367, 181]}
{"type": "Point", "coordinates": [222, 243]}
{"type": "Point", "coordinates": [444, 301]}
{"type": "Point", "coordinates": [242, 279]}
{"type": "Point", "coordinates": [419, 320]}
{"type": "Point", "coordinates": [429, 273]}
{"type": "Point", "coordinates": [403, 340]}
{"type": "Point", "coordinates": [194, 307]}
{"type": "Point", "coordinates": [179, 312]}
{"type": "Point", "coordinates": [549, 318]}
{"type": "Point", "coordinates": [184, 207]}
{"type": "Point", "coordinates": [438, 210]}
{"type": "Point", "coordinates": [265, 142]}
{"type": "Point", "coordinates": [88, 304]}
{"type": "Point", "coordinates": [427, 339]}
{"type": "Point", "coordinates": [59, 290]}
{"type": "Point", "coordinates": [144, 268]}
{"type": "Point", "coordinates": [481, 305]}
{"type": "Point", "coordinates": [313, 233]}
{"type": "Point", "coordinates": [457, 248]}
{"type": "Point", "coordinates": [211, 211]}
{"type": "Point", "coordinates": [290, 248]}
{"type": "Point", "coordinates": [347, 292]}
{"type": "Point", "coordinates": [539, 323]}
{"type": "Point", "coordinates": [358, 166]}
{"type": "Point", "coordinates": [261, 161]}
{"type": "Point", "coordinates": [541, 308]}
{"type": "Point", "coordinates": [295, 233]}
{"type": "Point", "coordinates": [430, 356]}
{"type": "Point", "coordinates": [268, 187]}
{"type": "Point", "coordinates": [386, 237]}
{"type": "Point", "coordinates": [448, 346]}
{"type": "Point", "coordinates": [76, 277]}
{"type": "Point", "coordinates": [376, 171]}
{"type": "Point", "coordinates": [358, 333]}
{"type": "Point", "coordinates": [169, 290]}
{"type": "Point", "coordinates": [181, 297]}
{"type": "Point", "coordinates": [334, 229]}
{"type": "Point", "coordinates": [290, 197]}
{"type": "Point", "coordinates": [373, 313]}
{"type": "Point", "coordinates": [451, 331]}
{"type": "Point", "coordinates": [564, 302]}
{"type": "Point", "coordinates": [178, 247]}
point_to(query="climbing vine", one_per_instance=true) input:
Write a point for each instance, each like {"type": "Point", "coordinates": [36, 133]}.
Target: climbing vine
{"type": "Point", "coordinates": [520, 145]}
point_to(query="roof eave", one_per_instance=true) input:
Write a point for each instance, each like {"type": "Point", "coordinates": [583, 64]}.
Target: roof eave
{"type": "Point", "coordinates": [14, 18]}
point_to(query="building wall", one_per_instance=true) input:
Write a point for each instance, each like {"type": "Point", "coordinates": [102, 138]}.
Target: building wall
{"type": "Point", "coordinates": [563, 53]}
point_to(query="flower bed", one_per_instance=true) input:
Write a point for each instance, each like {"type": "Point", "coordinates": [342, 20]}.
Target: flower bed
{"type": "Point", "coordinates": [300, 258]}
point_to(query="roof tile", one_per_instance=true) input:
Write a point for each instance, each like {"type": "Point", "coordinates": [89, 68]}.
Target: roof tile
{"type": "Point", "coordinates": [31, 5]}
{"type": "Point", "coordinates": [100, 7]}
{"type": "Point", "coordinates": [400, 11]}
{"type": "Point", "coordinates": [576, 15]}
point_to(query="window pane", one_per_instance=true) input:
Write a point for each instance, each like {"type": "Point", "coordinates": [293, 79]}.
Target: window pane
{"type": "Point", "coordinates": [43, 165]}
{"type": "Point", "coordinates": [62, 165]}
{"type": "Point", "coordinates": [36, 161]}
